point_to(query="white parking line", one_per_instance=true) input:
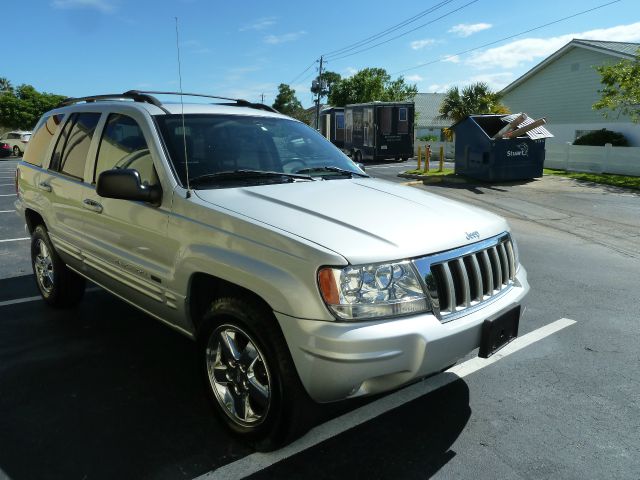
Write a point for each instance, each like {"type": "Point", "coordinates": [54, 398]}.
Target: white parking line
{"type": "Point", "coordinates": [14, 239]}
{"type": "Point", "coordinates": [258, 461]}
{"type": "Point", "coordinates": [17, 301]}
{"type": "Point", "coordinates": [7, 211]}
{"type": "Point", "coordinates": [20, 300]}
{"type": "Point", "coordinates": [6, 184]}
{"type": "Point", "coordinates": [8, 195]}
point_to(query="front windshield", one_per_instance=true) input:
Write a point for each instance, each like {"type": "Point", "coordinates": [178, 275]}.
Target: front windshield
{"type": "Point", "coordinates": [229, 143]}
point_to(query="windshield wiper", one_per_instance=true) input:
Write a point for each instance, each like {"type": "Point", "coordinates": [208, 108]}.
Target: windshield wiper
{"type": "Point", "coordinates": [243, 174]}
{"type": "Point", "coordinates": [327, 168]}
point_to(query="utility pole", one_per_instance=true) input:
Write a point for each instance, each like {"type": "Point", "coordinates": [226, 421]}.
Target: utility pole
{"type": "Point", "coordinates": [262, 98]}
{"type": "Point", "coordinates": [319, 93]}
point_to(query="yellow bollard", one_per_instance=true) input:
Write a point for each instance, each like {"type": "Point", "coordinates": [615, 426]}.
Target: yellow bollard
{"type": "Point", "coordinates": [427, 157]}
{"type": "Point", "coordinates": [441, 158]}
{"type": "Point", "coordinates": [419, 156]}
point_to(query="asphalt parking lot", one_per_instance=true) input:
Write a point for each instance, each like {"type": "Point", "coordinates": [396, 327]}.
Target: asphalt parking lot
{"type": "Point", "coordinates": [102, 391]}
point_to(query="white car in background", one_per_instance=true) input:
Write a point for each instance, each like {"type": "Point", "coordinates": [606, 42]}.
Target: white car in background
{"type": "Point", "coordinates": [17, 139]}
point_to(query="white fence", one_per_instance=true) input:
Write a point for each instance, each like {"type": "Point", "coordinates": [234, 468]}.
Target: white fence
{"type": "Point", "coordinates": [607, 159]}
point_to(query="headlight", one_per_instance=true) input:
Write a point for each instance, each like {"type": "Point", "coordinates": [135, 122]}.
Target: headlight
{"type": "Point", "coordinates": [372, 291]}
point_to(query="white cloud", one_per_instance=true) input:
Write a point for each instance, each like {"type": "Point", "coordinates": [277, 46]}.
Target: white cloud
{"type": "Point", "coordinates": [286, 37]}
{"type": "Point", "coordinates": [451, 58]}
{"type": "Point", "coordinates": [518, 52]}
{"type": "Point", "coordinates": [194, 46]}
{"type": "Point", "coordinates": [413, 78]}
{"type": "Point", "coordinates": [259, 24]}
{"type": "Point", "coordinates": [465, 29]}
{"type": "Point", "coordinates": [350, 72]}
{"type": "Point", "coordinates": [419, 44]}
{"type": "Point", "coordinates": [103, 6]}
{"type": "Point", "coordinates": [439, 87]}
{"type": "Point", "coordinates": [496, 81]}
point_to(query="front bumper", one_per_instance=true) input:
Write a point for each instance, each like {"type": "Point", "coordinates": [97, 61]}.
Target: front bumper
{"type": "Point", "coordinates": [338, 360]}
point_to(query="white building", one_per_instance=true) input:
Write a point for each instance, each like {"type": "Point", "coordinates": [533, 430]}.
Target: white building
{"type": "Point", "coordinates": [564, 87]}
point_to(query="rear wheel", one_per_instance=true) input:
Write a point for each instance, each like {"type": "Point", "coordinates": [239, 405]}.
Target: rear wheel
{"type": "Point", "coordinates": [59, 286]}
{"type": "Point", "coordinates": [250, 375]}
{"type": "Point", "coordinates": [16, 151]}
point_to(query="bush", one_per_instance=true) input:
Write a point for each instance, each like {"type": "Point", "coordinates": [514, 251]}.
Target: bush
{"type": "Point", "coordinates": [428, 138]}
{"type": "Point", "coordinates": [600, 137]}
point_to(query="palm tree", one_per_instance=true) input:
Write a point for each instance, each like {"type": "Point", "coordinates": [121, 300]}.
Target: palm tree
{"type": "Point", "coordinates": [476, 98]}
{"type": "Point", "coordinates": [5, 85]}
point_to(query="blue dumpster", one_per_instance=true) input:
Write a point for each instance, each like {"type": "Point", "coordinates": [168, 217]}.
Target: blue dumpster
{"type": "Point", "coordinates": [481, 156]}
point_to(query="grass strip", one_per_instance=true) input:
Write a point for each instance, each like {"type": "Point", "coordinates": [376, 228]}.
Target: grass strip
{"type": "Point", "coordinates": [624, 181]}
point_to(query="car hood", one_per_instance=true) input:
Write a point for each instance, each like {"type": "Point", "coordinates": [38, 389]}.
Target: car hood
{"type": "Point", "coordinates": [364, 220]}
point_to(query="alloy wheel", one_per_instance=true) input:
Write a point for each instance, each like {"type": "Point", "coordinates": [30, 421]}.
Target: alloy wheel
{"type": "Point", "coordinates": [43, 265]}
{"type": "Point", "coordinates": [238, 375]}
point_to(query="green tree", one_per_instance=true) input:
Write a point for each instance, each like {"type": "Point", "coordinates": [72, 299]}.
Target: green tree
{"type": "Point", "coordinates": [286, 101]}
{"type": "Point", "coordinates": [329, 79]}
{"type": "Point", "coordinates": [621, 88]}
{"type": "Point", "coordinates": [477, 98]}
{"type": "Point", "coordinates": [368, 85]}
{"type": "Point", "coordinates": [5, 85]}
{"type": "Point", "coordinates": [24, 106]}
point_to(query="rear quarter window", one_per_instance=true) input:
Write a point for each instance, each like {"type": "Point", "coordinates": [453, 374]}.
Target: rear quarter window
{"type": "Point", "coordinates": [41, 139]}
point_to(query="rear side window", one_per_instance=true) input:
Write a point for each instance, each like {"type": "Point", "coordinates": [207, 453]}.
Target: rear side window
{"type": "Point", "coordinates": [41, 138]}
{"type": "Point", "coordinates": [123, 146]}
{"type": "Point", "coordinates": [73, 145]}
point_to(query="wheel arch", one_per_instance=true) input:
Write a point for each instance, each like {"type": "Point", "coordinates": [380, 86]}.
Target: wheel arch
{"type": "Point", "coordinates": [204, 288]}
{"type": "Point", "coordinates": [33, 219]}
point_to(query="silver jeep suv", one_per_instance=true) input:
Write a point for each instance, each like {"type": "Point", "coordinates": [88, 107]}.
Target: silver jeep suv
{"type": "Point", "coordinates": [300, 278]}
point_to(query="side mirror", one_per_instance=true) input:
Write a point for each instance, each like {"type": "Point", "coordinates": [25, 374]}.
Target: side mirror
{"type": "Point", "coordinates": [361, 166]}
{"type": "Point", "coordinates": [125, 184]}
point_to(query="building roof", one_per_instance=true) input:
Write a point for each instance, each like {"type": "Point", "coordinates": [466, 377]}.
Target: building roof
{"type": "Point", "coordinates": [428, 109]}
{"type": "Point", "coordinates": [622, 50]}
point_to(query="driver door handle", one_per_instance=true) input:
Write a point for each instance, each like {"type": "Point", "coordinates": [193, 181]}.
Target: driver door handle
{"type": "Point", "coordinates": [92, 205]}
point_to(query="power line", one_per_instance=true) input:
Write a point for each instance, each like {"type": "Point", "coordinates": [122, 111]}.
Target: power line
{"type": "Point", "coordinates": [407, 32]}
{"type": "Point", "coordinates": [506, 38]}
{"type": "Point", "coordinates": [302, 73]}
{"type": "Point", "coordinates": [388, 30]}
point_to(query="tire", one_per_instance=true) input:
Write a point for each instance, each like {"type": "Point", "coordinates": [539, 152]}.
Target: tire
{"type": "Point", "coordinates": [16, 151]}
{"type": "Point", "coordinates": [247, 362]}
{"type": "Point", "coordinates": [59, 286]}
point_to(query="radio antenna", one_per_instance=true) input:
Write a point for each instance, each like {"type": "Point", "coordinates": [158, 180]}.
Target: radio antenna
{"type": "Point", "coordinates": [184, 133]}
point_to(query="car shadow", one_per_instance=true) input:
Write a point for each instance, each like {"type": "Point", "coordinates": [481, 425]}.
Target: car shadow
{"type": "Point", "coordinates": [411, 441]}
{"type": "Point", "coordinates": [104, 391]}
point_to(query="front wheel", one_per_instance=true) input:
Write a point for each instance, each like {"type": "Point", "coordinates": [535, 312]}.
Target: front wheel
{"type": "Point", "coordinates": [59, 286]}
{"type": "Point", "coordinates": [250, 375]}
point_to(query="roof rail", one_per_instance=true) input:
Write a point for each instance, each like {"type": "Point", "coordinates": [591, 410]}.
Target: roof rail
{"type": "Point", "coordinates": [147, 97]}
{"type": "Point", "coordinates": [238, 101]}
{"type": "Point", "coordinates": [131, 94]}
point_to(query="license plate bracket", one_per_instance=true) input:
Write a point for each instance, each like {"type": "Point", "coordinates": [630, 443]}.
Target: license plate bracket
{"type": "Point", "coordinates": [498, 332]}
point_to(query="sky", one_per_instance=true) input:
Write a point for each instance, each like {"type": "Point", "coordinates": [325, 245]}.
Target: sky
{"type": "Point", "coordinates": [245, 49]}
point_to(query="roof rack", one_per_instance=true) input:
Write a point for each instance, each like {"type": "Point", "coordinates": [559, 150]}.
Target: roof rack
{"type": "Point", "coordinates": [238, 101]}
{"type": "Point", "coordinates": [131, 94]}
{"type": "Point", "coordinates": [147, 97]}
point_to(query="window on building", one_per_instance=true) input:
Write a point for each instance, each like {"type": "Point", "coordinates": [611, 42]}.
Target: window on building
{"type": "Point", "coordinates": [403, 121]}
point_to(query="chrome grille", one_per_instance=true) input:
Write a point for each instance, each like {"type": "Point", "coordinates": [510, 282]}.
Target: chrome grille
{"type": "Point", "coordinates": [459, 280]}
